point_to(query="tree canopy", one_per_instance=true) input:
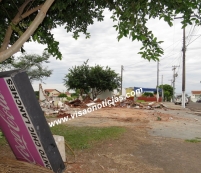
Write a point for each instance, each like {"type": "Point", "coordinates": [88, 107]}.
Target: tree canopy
{"type": "Point", "coordinates": [168, 91]}
{"type": "Point", "coordinates": [34, 65]}
{"type": "Point", "coordinates": [7, 64]}
{"type": "Point", "coordinates": [29, 20]}
{"type": "Point", "coordinates": [92, 80]}
{"type": "Point", "coordinates": [101, 79]}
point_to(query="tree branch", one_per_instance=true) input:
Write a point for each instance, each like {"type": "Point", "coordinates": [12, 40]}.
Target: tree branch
{"type": "Point", "coordinates": [10, 30]}
{"type": "Point", "coordinates": [6, 39]}
{"type": "Point", "coordinates": [26, 35]}
{"type": "Point", "coordinates": [26, 14]}
{"type": "Point", "coordinates": [20, 11]}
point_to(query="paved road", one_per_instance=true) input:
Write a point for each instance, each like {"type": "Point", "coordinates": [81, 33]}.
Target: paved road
{"type": "Point", "coordinates": [186, 123]}
{"type": "Point", "coordinates": [194, 106]}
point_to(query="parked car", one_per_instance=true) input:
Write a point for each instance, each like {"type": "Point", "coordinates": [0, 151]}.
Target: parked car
{"type": "Point", "coordinates": [198, 100]}
{"type": "Point", "coordinates": [178, 100]}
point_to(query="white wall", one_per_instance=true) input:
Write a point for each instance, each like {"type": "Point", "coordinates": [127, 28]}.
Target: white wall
{"type": "Point", "coordinates": [194, 98]}
{"type": "Point", "coordinates": [105, 95]}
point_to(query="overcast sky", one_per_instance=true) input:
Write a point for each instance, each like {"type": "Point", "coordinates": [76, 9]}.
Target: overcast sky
{"type": "Point", "coordinates": [104, 49]}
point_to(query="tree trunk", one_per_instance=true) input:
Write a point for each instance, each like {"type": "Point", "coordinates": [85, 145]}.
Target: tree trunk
{"type": "Point", "coordinates": [26, 35]}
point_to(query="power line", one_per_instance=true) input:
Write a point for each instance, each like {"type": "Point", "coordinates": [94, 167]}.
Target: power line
{"type": "Point", "coordinates": [193, 40]}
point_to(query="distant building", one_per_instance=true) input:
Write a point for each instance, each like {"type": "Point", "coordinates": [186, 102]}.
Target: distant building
{"type": "Point", "coordinates": [68, 93]}
{"type": "Point", "coordinates": [195, 95]}
{"type": "Point", "coordinates": [52, 93]}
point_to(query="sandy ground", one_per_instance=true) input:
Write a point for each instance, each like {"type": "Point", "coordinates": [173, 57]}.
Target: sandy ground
{"type": "Point", "coordinates": [149, 145]}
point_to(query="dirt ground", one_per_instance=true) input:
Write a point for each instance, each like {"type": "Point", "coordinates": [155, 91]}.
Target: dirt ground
{"type": "Point", "coordinates": [148, 146]}
{"type": "Point", "coordinates": [154, 142]}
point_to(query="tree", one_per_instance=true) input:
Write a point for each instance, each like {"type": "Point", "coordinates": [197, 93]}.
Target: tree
{"type": "Point", "coordinates": [168, 91]}
{"type": "Point", "coordinates": [92, 80]}
{"type": "Point", "coordinates": [37, 94]}
{"type": "Point", "coordinates": [77, 78]}
{"type": "Point", "coordinates": [34, 65]}
{"type": "Point", "coordinates": [101, 79]}
{"type": "Point", "coordinates": [62, 95]}
{"type": "Point", "coordinates": [7, 64]}
{"type": "Point", "coordinates": [29, 20]}
{"type": "Point", "coordinates": [76, 94]}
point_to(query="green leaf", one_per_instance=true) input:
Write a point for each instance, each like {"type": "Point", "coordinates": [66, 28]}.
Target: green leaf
{"type": "Point", "coordinates": [143, 37]}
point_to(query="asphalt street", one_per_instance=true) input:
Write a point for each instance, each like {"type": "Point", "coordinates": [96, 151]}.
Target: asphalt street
{"type": "Point", "coordinates": [194, 106]}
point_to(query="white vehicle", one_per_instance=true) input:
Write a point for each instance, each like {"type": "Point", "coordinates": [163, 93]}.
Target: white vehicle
{"type": "Point", "coordinates": [178, 100]}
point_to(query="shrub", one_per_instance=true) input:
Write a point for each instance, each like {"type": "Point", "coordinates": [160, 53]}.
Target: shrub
{"type": "Point", "coordinates": [148, 94]}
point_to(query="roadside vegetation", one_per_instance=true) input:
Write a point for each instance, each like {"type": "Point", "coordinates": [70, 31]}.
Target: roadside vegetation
{"type": "Point", "coordinates": [84, 137]}
{"type": "Point", "coordinates": [2, 139]}
{"type": "Point", "coordinates": [81, 137]}
{"type": "Point", "coordinates": [196, 140]}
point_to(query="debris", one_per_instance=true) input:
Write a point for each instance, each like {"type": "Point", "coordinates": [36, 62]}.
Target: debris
{"type": "Point", "coordinates": [149, 108]}
{"type": "Point", "coordinates": [90, 104]}
{"type": "Point", "coordinates": [101, 166]}
{"type": "Point", "coordinates": [60, 105]}
{"type": "Point", "coordinates": [151, 103]}
{"type": "Point", "coordinates": [64, 115]}
{"type": "Point", "coordinates": [87, 99]}
{"type": "Point", "coordinates": [156, 106]}
{"type": "Point", "coordinates": [76, 102]}
{"type": "Point", "coordinates": [162, 104]}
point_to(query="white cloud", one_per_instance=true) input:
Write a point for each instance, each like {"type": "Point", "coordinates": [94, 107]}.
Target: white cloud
{"type": "Point", "coordinates": [103, 48]}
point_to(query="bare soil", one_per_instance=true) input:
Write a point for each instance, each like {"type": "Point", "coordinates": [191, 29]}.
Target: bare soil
{"type": "Point", "coordinates": [154, 142]}
{"type": "Point", "coordinates": [139, 150]}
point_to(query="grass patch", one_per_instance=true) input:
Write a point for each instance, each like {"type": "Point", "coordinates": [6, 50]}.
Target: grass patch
{"type": "Point", "coordinates": [159, 119]}
{"type": "Point", "coordinates": [196, 140]}
{"type": "Point", "coordinates": [140, 101]}
{"type": "Point", "coordinates": [84, 137]}
{"type": "Point", "coordinates": [2, 139]}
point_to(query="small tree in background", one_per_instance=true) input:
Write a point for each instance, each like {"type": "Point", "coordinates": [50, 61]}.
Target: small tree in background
{"type": "Point", "coordinates": [168, 91]}
{"type": "Point", "coordinates": [93, 80]}
{"type": "Point", "coordinates": [62, 95]}
{"type": "Point", "coordinates": [78, 78]}
{"type": "Point", "coordinates": [76, 94]}
{"type": "Point", "coordinates": [37, 94]}
{"type": "Point", "coordinates": [34, 65]}
{"type": "Point", "coordinates": [146, 94]}
{"type": "Point", "coordinates": [101, 79]}
{"type": "Point", "coordinates": [7, 64]}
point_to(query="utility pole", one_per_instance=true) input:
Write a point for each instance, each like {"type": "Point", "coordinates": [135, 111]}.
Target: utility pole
{"type": "Point", "coordinates": [184, 67]}
{"type": "Point", "coordinates": [171, 82]}
{"type": "Point", "coordinates": [184, 70]}
{"type": "Point", "coordinates": [174, 75]}
{"type": "Point", "coordinates": [122, 68]}
{"type": "Point", "coordinates": [162, 88]}
{"type": "Point", "coordinates": [157, 79]}
{"type": "Point", "coordinates": [171, 86]}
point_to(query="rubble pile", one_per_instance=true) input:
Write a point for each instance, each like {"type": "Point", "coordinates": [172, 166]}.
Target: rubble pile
{"type": "Point", "coordinates": [149, 105]}
{"type": "Point", "coordinates": [64, 109]}
{"type": "Point", "coordinates": [75, 103]}
{"type": "Point", "coordinates": [63, 114]}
